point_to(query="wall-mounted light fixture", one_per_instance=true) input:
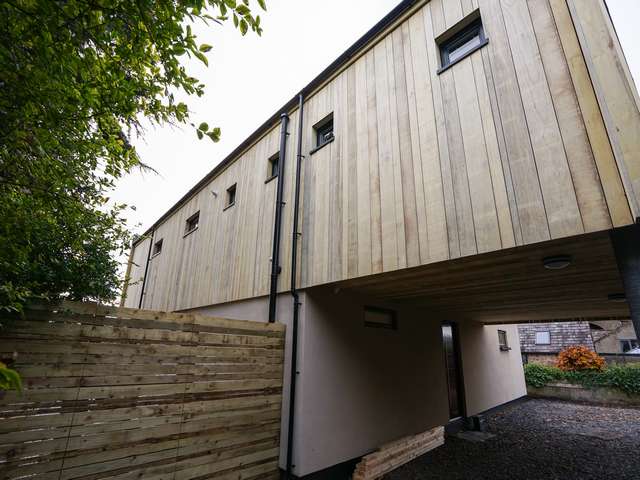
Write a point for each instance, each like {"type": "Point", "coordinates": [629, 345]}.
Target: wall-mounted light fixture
{"type": "Point", "coordinates": [556, 262]}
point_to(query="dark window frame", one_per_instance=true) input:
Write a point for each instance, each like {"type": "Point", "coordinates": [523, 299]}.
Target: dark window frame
{"type": "Point", "coordinates": [232, 193]}
{"type": "Point", "coordinates": [157, 248]}
{"type": "Point", "coordinates": [274, 164]}
{"type": "Point", "coordinates": [189, 223]}
{"type": "Point", "coordinates": [503, 341]}
{"type": "Point", "coordinates": [324, 133]}
{"type": "Point", "coordinates": [628, 344]}
{"type": "Point", "coordinates": [457, 36]}
{"type": "Point", "coordinates": [394, 318]}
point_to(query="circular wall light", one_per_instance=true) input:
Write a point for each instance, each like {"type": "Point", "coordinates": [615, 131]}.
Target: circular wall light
{"type": "Point", "coordinates": [557, 262]}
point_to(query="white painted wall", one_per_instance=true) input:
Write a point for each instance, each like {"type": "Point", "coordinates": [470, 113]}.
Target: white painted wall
{"type": "Point", "coordinates": [360, 387]}
{"type": "Point", "coordinates": [363, 387]}
{"type": "Point", "coordinates": [491, 376]}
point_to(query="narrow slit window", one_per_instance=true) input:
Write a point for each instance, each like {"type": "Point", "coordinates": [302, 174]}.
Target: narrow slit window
{"type": "Point", "coordinates": [375, 317]}
{"type": "Point", "coordinates": [231, 195]}
{"type": "Point", "coordinates": [274, 166]}
{"type": "Point", "coordinates": [461, 42]}
{"type": "Point", "coordinates": [192, 223]}
{"type": "Point", "coordinates": [324, 131]}
{"type": "Point", "coordinates": [502, 340]}
{"type": "Point", "coordinates": [157, 247]}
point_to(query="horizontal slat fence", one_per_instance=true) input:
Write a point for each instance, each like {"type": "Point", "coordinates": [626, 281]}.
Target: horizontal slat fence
{"type": "Point", "coordinates": [124, 393]}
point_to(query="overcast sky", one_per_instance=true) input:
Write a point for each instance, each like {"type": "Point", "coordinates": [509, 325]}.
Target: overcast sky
{"type": "Point", "coordinates": [250, 77]}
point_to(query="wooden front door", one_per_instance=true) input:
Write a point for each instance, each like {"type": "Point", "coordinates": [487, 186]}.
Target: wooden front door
{"type": "Point", "coordinates": [451, 347]}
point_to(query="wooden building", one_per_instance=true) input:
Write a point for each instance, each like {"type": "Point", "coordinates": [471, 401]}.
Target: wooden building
{"type": "Point", "coordinates": [450, 164]}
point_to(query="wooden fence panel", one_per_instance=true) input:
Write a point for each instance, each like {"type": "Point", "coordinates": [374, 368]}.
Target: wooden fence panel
{"type": "Point", "coordinates": [123, 393]}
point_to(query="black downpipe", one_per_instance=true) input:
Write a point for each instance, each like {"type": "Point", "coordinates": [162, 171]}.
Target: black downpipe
{"type": "Point", "coordinates": [275, 256]}
{"type": "Point", "coordinates": [294, 293]}
{"type": "Point", "coordinates": [146, 270]}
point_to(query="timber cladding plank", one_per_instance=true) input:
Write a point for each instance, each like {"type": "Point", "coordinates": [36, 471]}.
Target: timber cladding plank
{"type": "Point", "coordinates": [125, 393]}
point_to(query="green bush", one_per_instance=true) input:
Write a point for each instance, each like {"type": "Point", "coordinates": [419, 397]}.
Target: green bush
{"type": "Point", "coordinates": [625, 378]}
{"type": "Point", "coordinates": [538, 375]}
{"type": "Point", "coordinates": [621, 377]}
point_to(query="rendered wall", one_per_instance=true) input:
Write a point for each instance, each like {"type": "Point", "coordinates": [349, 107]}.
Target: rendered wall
{"type": "Point", "coordinates": [491, 376]}
{"type": "Point", "coordinates": [362, 387]}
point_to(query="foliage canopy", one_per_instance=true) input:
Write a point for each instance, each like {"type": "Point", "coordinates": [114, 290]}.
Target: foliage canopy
{"type": "Point", "coordinates": [76, 80]}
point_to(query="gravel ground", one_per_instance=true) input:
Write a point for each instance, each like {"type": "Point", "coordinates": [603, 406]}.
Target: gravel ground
{"type": "Point", "coordinates": [540, 439]}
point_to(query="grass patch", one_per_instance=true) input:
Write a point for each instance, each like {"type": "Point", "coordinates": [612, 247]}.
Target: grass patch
{"type": "Point", "coordinates": [621, 377]}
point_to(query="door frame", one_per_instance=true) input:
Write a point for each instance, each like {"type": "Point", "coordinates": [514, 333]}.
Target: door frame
{"type": "Point", "coordinates": [462, 402]}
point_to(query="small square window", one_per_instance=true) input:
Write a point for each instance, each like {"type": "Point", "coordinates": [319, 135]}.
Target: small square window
{"type": "Point", "coordinates": [274, 166]}
{"type": "Point", "coordinates": [324, 131]}
{"type": "Point", "coordinates": [231, 196]}
{"type": "Point", "coordinates": [461, 41]}
{"type": "Point", "coordinates": [543, 338]}
{"type": "Point", "coordinates": [157, 247]}
{"type": "Point", "coordinates": [375, 317]}
{"type": "Point", "coordinates": [502, 340]}
{"type": "Point", "coordinates": [192, 223]}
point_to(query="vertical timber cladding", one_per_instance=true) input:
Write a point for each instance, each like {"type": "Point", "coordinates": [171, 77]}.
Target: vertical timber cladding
{"type": "Point", "coordinates": [504, 148]}
{"type": "Point", "coordinates": [124, 393]}
{"type": "Point", "coordinates": [617, 95]}
{"type": "Point", "coordinates": [507, 147]}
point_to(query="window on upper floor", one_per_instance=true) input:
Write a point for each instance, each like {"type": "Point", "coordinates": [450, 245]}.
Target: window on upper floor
{"type": "Point", "coordinates": [543, 338]}
{"type": "Point", "coordinates": [157, 248]}
{"type": "Point", "coordinates": [461, 40]}
{"type": "Point", "coordinates": [323, 132]}
{"type": "Point", "coordinates": [192, 223]}
{"type": "Point", "coordinates": [274, 166]}
{"type": "Point", "coordinates": [231, 196]}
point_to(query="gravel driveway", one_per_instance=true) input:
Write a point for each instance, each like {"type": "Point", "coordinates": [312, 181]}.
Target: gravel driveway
{"type": "Point", "coordinates": [540, 439]}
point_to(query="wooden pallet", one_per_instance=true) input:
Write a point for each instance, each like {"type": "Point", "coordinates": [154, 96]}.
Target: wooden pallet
{"type": "Point", "coordinates": [397, 453]}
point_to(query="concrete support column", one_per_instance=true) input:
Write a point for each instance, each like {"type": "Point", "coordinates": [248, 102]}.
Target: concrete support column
{"type": "Point", "coordinates": [626, 243]}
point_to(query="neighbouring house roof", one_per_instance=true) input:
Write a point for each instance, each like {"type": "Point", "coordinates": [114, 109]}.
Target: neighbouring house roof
{"type": "Point", "coordinates": [561, 335]}
{"type": "Point", "coordinates": [353, 50]}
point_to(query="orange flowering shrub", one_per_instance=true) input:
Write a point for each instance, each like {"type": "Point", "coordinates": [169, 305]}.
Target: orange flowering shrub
{"type": "Point", "coordinates": [579, 358]}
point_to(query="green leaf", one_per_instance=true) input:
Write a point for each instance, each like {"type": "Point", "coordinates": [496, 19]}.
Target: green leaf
{"type": "Point", "coordinates": [200, 56]}
{"type": "Point", "coordinates": [262, 4]}
{"type": "Point", "coordinates": [243, 26]}
{"type": "Point", "coordinates": [205, 48]}
{"type": "Point", "coordinates": [200, 134]}
{"type": "Point", "coordinates": [204, 126]}
{"type": "Point", "coordinates": [243, 10]}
